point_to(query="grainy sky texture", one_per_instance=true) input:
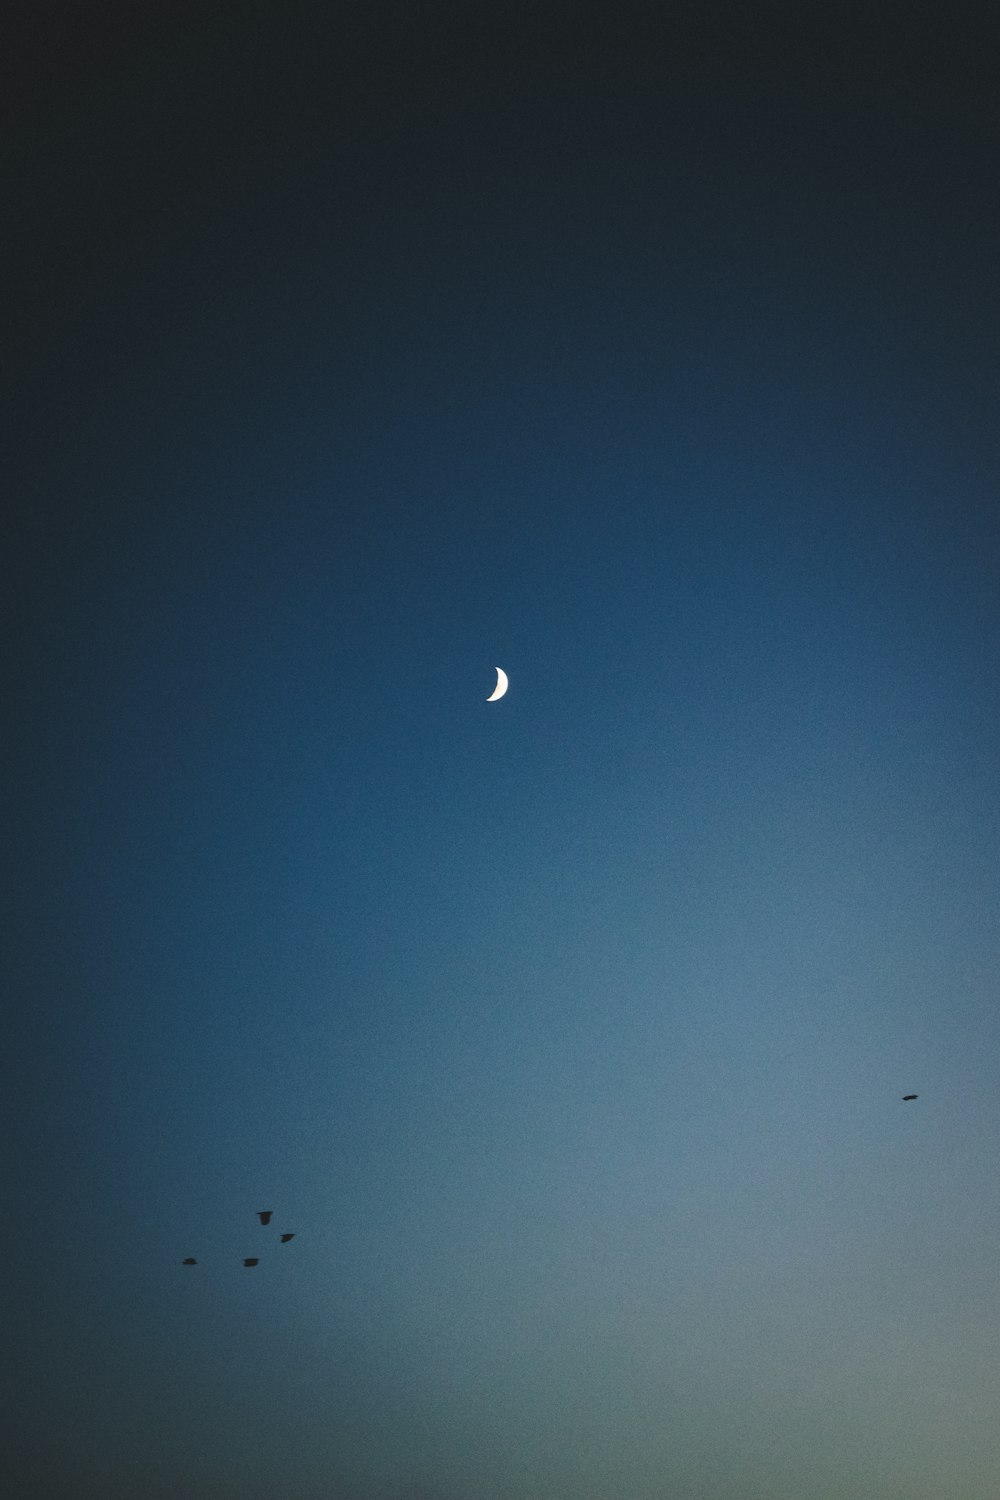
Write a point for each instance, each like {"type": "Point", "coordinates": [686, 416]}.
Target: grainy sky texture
{"type": "Point", "coordinates": [652, 356]}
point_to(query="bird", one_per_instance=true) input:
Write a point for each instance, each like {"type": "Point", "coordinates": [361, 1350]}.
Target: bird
{"type": "Point", "coordinates": [265, 1217]}
{"type": "Point", "coordinates": [286, 1237]}
{"type": "Point", "coordinates": [252, 1260]}
{"type": "Point", "coordinates": [189, 1262]}
{"type": "Point", "coordinates": [907, 1097]}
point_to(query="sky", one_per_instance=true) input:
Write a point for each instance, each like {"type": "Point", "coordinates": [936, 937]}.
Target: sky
{"type": "Point", "coordinates": [649, 354]}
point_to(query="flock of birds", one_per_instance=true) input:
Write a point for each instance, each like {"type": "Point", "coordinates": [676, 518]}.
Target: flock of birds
{"type": "Point", "coordinates": [265, 1216]}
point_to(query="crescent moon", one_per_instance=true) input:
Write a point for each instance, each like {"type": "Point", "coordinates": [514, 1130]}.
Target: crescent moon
{"type": "Point", "coordinates": [501, 686]}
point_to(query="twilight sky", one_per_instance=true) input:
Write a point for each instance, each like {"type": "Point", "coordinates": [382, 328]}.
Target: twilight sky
{"type": "Point", "coordinates": [353, 351]}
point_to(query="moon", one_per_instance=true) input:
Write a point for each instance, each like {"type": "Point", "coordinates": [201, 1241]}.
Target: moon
{"type": "Point", "coordinates": [501, 686]}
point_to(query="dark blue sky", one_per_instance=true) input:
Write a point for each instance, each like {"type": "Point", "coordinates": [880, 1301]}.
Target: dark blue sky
{"type": "Point", "coordinates": [653, 359]}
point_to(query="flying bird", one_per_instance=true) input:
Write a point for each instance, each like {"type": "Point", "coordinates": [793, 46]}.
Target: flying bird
{"type": "Point", "coordinates": [265, 1217]}
{"type": "Point", "coordinates": [906, 1097]}
{"type": "Point", "coordinates": [252, 1260]}
{"type": "Point", "coordinates": [189, 1262]}
{"type": "Point", "coordinates": [286, 1237]}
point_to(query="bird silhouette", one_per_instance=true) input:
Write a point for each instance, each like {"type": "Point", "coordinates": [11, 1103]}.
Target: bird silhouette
{"type": "Point", "coordinates": [907, 1097]}
{"type": "Point", "coordinates": [265, 1216]}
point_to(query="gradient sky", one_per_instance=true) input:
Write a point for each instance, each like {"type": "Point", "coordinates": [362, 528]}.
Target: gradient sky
{"type": "Point", "coordinates": [353, 353]}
